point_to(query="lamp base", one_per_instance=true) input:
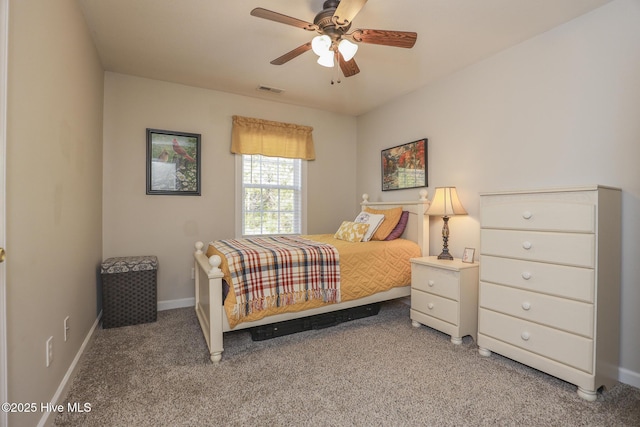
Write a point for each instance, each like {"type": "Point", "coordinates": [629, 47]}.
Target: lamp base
{"type": "Point", "coordinates": [445, 255]}
{"type": "Point", "coordinates": [445, 239]}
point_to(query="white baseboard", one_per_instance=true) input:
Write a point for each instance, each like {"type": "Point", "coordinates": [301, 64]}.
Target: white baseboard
{"type": "Point", "coordinates": [629, 377]}
{"type": "Point", "coordinates": [64, 384]}
{"type": "Point", "coordinates": [176, 303]}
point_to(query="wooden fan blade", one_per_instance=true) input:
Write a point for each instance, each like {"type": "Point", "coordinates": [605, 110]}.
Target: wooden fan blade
{"type": "Point", "coordinates": [349, 68]}
{"type": "Point", "coordinates": [346, 11]}
{"type": "Point", "coordinates": [292, 54]}
{"type": "Point", "coordinates": [404, 39]}
{"type": "Point", "coordinates": [283, 19]}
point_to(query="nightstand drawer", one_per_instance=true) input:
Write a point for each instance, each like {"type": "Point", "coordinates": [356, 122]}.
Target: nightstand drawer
{"type": "Point", "coordinates": [436, 281]}
{"type": "Point", "coordinates": [433, 305]}
{"type": "Point", "coordinates": [561, 280]}
{"type": "Point", "coordinates": [559, 248]}
{"type": "Point", "coordinates": [560, 346]}
{"type": "Point", "coordinates": [570, 316]}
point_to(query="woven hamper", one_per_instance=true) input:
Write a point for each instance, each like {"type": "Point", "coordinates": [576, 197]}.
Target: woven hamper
{"type": "Point", "coordinates": [129, 291]}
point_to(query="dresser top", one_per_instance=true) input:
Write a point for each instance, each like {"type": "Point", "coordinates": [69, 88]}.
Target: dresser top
{"type": "Point", "coordinates": [552, 190]}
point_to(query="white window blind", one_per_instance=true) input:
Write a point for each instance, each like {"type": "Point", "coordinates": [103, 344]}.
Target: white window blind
{"type": "Point", "coordinates": [271, 195]}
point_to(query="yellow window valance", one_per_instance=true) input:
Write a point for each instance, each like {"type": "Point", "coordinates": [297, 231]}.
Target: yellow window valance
{"type": "Point", "coordinates": [273, 139]}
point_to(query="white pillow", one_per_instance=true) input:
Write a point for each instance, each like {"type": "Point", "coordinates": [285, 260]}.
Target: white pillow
{"type": "Point", "coordinates": [374, 221]}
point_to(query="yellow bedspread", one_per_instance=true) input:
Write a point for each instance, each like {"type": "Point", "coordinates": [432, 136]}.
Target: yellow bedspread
{"type": "Point", "coordinates": [365, 269]}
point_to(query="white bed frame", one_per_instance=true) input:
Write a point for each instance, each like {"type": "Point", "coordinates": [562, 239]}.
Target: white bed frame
{"type": "Point", "coordinates": [208, 281]}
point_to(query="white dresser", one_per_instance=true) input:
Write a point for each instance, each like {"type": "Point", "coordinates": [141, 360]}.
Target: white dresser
{"type": "Point", "coordinates": [444, 296]}
{"type": "Point", "coordinates": [549, 292]}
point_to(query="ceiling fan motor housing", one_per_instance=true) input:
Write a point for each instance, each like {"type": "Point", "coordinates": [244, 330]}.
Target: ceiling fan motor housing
{"type": "Point", "coordinates": [326, 22]}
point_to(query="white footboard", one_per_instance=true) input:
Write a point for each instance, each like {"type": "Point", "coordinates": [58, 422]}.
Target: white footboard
{"type": "Point", "coordinates": [209, 309]}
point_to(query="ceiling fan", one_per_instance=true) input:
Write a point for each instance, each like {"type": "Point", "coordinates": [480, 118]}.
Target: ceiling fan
{"type": "Point", "coordinates": [334, 41]}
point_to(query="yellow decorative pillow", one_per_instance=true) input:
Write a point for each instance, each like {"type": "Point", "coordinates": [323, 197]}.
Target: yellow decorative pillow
{"type": "Point", "coordinates": [391, 219]}
{"type": "Point", "coordinates": [351, 231]}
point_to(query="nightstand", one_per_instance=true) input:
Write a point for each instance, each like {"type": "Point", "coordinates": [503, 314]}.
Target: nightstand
{"type": "Point", "coordinates": [444, 296]}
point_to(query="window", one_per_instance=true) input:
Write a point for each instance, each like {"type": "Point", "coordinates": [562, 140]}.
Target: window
{"type": "Point", "coordinates": [271, 195]}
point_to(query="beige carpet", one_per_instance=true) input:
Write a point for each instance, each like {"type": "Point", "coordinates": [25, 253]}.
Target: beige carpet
{"type": "Point", "coordinates": [378, 371]}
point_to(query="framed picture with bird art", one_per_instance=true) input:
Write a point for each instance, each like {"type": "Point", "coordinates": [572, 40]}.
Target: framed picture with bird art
{"type": "Point", "coordinates": [173, 163]}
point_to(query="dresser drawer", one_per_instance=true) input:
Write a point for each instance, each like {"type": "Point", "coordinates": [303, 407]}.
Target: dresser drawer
{"type": "Point", "coordinates": [436, 281]}
{"type": "Point", "coordinates": [543, 211]}
{"type": "Point", "coordinates": [563, 347]}
{"type": "Point", "coordinates": [560, 248]}
{"type": "Point", "coordinates": [567, 315]}
{"type": "Point", "coordinates": [433, 305]}
{"type": "Point", "coordinates": [569, 282]}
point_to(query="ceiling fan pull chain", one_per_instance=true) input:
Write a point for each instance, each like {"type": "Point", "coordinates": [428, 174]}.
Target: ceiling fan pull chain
{"type": "Point", "coordinates": [336, 73]}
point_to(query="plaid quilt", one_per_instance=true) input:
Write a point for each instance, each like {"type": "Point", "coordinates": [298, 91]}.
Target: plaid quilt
{"type": "Point", "coordinates": [276, 271]}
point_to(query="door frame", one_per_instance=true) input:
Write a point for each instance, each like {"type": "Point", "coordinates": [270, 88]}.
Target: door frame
{"type": "Point", "coordinates": [4, 56]}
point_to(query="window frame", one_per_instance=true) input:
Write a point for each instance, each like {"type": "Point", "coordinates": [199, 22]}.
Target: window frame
{"type": "Point", "coordinates": [239, 199]}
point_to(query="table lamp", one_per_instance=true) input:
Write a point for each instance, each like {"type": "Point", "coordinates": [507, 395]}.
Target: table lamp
{"type": "Point", "coordinates": [445, 203]}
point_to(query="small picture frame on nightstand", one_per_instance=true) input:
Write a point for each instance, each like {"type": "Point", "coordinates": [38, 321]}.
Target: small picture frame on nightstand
{"type": "Point", "coordinates": [467, 255]}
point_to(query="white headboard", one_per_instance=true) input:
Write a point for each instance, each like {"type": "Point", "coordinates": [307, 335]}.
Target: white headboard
{"type": "Point", "coordinates": [418, 225]}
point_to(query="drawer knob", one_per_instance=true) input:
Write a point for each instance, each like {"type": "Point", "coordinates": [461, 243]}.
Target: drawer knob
{"type": "Point", "coordinates": [526, 305]}
{"type": "Point", "coordinates": [525, 336]}
{"type": "Point", "coordinates": [431, 283]}
{"type": "Point", "coordinates": [527, 245]}
{"type": "Point", "coordinates": [527, 215]}
{"type": "Point", "coordinates": [526, 275]}
{"type": "Point", "coordinates": [430, 305]}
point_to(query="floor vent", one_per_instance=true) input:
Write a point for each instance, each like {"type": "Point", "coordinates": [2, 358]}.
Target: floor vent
{"type": "Point", "coordinates": [270, 89]}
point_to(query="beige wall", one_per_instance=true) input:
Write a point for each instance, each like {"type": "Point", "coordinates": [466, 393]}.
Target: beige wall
{"type": "Point", "coordinates": [168, 226]}
{"type": "Point", "coordinates": [561, 109]}
{"type": "Point", "coordinates": [54, 186]}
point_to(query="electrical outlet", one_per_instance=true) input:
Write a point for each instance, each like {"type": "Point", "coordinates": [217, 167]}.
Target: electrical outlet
{"type": "Point", "coordinates": [49, 351]}
{"type": "Point", "coordinates": [66, 328]}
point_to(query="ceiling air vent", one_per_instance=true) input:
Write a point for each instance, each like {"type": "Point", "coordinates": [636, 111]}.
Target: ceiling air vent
{"type": "Point", "coordinates": [263, 88]}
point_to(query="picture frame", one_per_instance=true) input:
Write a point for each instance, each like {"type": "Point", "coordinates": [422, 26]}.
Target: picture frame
{"type": "Point", "coordinates": [173, 163]}
{"type": "Point", "coordinates": [467, 255]}
{"type": "Point", "coordinates": [405, 166]}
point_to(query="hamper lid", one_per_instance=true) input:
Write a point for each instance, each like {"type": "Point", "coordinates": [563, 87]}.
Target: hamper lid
{"type": "Point", "coordinates": [130, 263]}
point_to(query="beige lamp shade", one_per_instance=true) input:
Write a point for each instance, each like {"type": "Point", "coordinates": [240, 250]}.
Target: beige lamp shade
{"type": "Point", "coordinates": [446, 203]}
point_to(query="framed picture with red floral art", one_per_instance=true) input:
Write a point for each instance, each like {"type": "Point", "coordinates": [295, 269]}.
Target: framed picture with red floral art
{"type": "Point", "coordinates": [405, 166]}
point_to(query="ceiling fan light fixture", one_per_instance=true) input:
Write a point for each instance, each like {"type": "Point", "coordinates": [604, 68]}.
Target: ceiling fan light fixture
{"type": "Point", "coordinates": [326, 60]}
{"type": "Point", "coordinates": [321, 45]}
{"type": "Point", "coordinates": [347, 49]}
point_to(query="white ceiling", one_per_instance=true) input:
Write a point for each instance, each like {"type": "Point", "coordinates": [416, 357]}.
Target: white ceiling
{"type": "Point", "coordinates": [218, 45]}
